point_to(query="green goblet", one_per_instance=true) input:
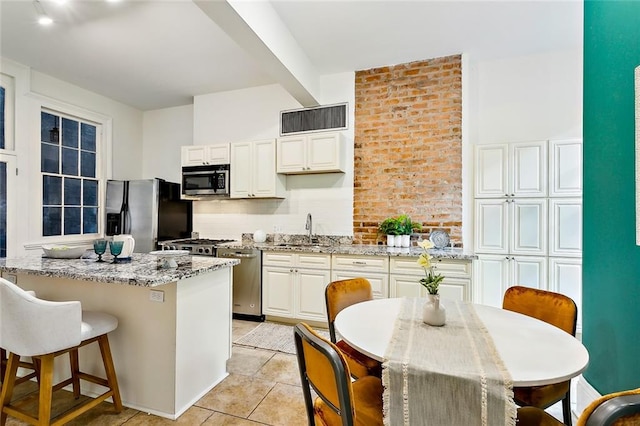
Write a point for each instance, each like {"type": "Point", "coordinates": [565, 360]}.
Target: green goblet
{"type": "Point", "coordinates": [100, 246]}
{"type": "Point", "coordinates": [115, 247]}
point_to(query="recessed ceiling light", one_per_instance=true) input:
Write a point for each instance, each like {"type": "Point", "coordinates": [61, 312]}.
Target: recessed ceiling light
{"type": "Point", "coordinates": [45, 20]}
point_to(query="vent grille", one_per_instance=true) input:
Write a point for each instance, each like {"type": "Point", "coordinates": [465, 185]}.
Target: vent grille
{"type": "Point", "coordinates": [331, 117]}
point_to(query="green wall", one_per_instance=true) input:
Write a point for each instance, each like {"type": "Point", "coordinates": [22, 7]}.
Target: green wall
{"type": "Point", "coordinates": [611, 260]}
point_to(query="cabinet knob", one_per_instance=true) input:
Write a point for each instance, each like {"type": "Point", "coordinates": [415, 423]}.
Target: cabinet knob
{"type": "Point", "coordinates": [513, 195]}
{"type": "Point", "coordinates": [291, 270]}
{"type": "Point", "coordinates": [356, 262]}
{"type": "Point", "coordinates": [506, 195]}
{"type": "Point", "coordinates": [507, 257]}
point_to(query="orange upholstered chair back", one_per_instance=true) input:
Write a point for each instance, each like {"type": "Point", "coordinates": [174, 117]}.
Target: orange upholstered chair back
{"type": "Point", "coordinates": [552, 308]}
{"type": "Point", "coordinates": [323, 368]}
{"type": "Point", "coordinates": [342, 294]}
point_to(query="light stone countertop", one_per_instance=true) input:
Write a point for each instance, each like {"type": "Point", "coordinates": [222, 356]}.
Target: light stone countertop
{"type": "Point", "coordinates": [142, 270]}
{"type": "Point", "coordinates": [357, 249]}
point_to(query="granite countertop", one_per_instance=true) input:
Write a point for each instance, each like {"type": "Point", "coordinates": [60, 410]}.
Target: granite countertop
{"type": "Point", "coordinates": [356, 249]}
{"type": "Point", "coordinates": [142, 270]}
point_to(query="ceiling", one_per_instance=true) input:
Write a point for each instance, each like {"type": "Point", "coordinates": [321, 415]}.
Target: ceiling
{"type": "Point", "coordinates": [158, 54]}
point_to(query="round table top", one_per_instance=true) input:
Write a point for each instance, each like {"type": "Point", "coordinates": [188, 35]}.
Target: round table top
{"type": "Point", "coordinates": [534, 352]}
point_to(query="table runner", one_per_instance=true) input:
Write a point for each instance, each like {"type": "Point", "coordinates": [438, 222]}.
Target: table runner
{"type": "Point", "coordinates": [450, 375]}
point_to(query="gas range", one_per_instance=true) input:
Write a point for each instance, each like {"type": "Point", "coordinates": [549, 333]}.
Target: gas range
{"type": "Point", "coordinates": [200, 246]}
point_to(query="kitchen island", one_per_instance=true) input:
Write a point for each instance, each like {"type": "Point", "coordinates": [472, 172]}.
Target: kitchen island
{"type": "Point", "coordinates": [174, 333]}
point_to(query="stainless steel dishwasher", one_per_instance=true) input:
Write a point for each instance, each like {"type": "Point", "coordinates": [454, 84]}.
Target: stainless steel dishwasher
{"type": "Point", "coordinates": [247, 282]}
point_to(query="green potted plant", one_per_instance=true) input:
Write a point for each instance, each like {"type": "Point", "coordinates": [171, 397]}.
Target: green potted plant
{"type": "Point", "coordinates": [391, 228]}
{"type": "Point", "coordinates": [406, 227]}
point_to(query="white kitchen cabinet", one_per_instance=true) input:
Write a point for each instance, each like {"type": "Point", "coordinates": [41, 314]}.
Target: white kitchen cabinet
{"type": "Point", "coordinates": [565, 227]}
{"type": "Point", "coordinates": [494, 274]}
{"type": "Point", "coordinates": [511, 226]}
{"type": "Point", "coordinates": [293, 285]}
{"type": "Point", "coordinates": [511, 170]}
{"type": "Point", "coordinates": [311, 153]}
{"type": "Point", "coordinates": [202, 155]}
{"type": "Point", "coordinates": [405, 275]}
{"type": "Point", "coordinates": [253, 171]}
{"type": "Point", "coordinates": [373, 268]}
{"type": "Point", "coordinates": [565, 163]}
{"type": "Point", "coordinates": [565, 276]}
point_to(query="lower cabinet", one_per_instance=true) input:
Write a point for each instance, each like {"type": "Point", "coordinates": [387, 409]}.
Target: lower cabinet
{"type": "Point", "coordinates": [373, 268]}
{"type": "Point", "coordinates": [405, 275]}
{"type": "Point", "coordinates": [293, 285]}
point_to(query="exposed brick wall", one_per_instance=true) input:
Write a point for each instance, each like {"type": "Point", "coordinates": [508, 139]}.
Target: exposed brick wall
{"type": "Point", "coordinates": [408, 147]}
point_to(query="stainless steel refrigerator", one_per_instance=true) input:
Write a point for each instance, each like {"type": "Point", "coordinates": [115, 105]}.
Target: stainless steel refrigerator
{"type": "Point", "coordinates": [151, 210]}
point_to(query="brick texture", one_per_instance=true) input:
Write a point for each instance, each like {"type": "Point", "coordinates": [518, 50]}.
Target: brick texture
{"type": "Point", "coordinates": [408, 147]}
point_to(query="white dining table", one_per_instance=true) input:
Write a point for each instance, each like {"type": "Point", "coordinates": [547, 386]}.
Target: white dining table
{"type": "Point", "coordinates": [534, 352]}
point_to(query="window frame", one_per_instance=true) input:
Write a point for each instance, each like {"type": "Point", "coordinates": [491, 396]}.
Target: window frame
{"type": "Point", "coordinates": [103, 164]}
{"type": "Point", "coordinates": [8, 82]}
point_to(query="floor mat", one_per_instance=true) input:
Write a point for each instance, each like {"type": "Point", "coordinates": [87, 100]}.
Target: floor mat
{"type": "Point", "coordinates": [272, 336]}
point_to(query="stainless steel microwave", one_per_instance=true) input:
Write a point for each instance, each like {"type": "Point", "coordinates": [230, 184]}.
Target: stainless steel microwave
{"type": "Point", "coordinates": [206, 180]}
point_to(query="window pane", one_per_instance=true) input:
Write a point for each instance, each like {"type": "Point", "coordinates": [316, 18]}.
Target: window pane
{"type": "Point", "coordinates": [49, 128]}
{"type": "Point", "coordinates": [51, 221]}
{"type": "Point", "coordinates": [70, 133]}
{"type": "Point", "coordinates": [72, 188]}
{"type": "Point", "coordinates": [69, 161]}
{"type": "Point", "coordinates": [52, 190]}
{"type": "Point", "coordinates": [88, 137]}
{"type": "Point", "coordinates": [2, 118]}
{"type": "Point", "coordinates": [88, 164]}
{"type": "Point", "coordinates": [71, 220]}
{"type": "Point", "coordinates": [90, 192]}
{"type": "Point", "coordinates": [49, 161]}
{"type": "Point", "coordinates": [90, 220]}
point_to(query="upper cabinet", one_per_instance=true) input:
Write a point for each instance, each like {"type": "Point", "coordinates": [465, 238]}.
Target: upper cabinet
{"type": "Point", "coordinates": [565, 162]}
{"type": "Point", "coordinates": [311, 153]}
{"type": "Point", "coordinates": [253, 170]}
{"type": "Point", "coordinates": [511, 170]}
{"type": "Point", "coordinates": [203, 155]}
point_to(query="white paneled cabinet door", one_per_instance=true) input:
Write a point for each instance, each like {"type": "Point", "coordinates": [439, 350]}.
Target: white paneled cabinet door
{"type": "Point", "coordinates": [491, 275]}
{"type": "Point", "coordinates": [241, 170]}
{"type": "Point", "coordinates": [492, 221]}
{"type": "Point", "coordinates": [528, 271]}
{"type": "Point", "coordinates": [565, 227]}
{"type": "Point", "coordinates": [528, 169]}
{"type": "Point", "coordinates": [264, 182]}
{"type": "Point", "coordinates": [278, 291]}
{"type": "Point", "coordinates": [491, 170]}
{"type": "Point", "coordinates": [528, 226]}
{"type": "Point", "coordinates": [291, 154]}
{"type": "Point", "coordinates": [565, 276]}
{"type": "Point", "coordinates": [565, 176]}
{"type": "Point", "coordinates": [323, 152]}
{"type": "Point", "coordinates": [311, 284]}
{"type": "Point", "coordinates": [379, 281]}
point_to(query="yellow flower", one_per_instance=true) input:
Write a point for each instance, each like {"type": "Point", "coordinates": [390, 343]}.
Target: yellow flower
{"type": "Point", "coordinates": [426, 244]}
{"type": "Point", "coordinates": [424, 260]}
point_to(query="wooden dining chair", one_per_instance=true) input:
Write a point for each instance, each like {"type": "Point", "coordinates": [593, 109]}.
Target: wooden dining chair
{"type": "Point", "coordinates": [342, 294]}
{"type": "Point", "coordinates": [558, 310]}
{"type": "Point", "coordinates": [340, 401]}
{"type": "Point", "coordinates": [615, 409]}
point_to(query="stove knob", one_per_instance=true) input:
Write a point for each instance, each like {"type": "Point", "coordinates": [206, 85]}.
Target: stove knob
{"type": "Point", "coordinates": [200, 250]}
{"type": "Point", "coordinates": [206, 250]}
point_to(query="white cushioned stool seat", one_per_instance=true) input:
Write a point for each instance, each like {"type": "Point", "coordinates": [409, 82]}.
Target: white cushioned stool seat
{"type": "Point", "coordinates": [96, 323]}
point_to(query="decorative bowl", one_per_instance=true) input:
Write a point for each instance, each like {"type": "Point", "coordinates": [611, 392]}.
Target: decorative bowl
{"type": "Point", "coordinates": [56, 251]}
{"type": "Point", "coordinates": [439, 238]}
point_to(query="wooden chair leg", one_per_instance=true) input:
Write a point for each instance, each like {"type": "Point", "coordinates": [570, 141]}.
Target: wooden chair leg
{"type": "Point", "coordinates": [75, 370]}
{"type": "Point", "coordinates": [105, 351]}
{"type": "Point", "coordinates": [46, 388]}
{"type": "Point", "coordinates": [8, 385]}
{"type": "Point", "coordinates": [3, 362]}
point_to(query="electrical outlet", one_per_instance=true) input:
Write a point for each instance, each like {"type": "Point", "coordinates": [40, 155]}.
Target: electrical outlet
{"type": "Point", "coordinates": [156, 296]}
{"type": "Point", "coordinates": [11, 278]}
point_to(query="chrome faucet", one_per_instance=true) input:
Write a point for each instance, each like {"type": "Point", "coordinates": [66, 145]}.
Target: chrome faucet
{"type": "Point", "coordinates": [309, 226]}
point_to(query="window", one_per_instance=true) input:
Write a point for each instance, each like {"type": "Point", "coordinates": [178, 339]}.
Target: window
{"type": "Point", "coordinates": [69, 168]}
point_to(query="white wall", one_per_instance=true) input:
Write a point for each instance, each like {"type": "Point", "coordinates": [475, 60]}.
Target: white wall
{"type": "Point", "coordinates": [164, 132]}
{"type": "Point", "coordinates": [34, 88]}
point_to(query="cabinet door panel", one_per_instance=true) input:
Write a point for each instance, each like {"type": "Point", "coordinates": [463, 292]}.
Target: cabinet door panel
{"type": "Point", "coordinates": [565, 276]}
{"type": "Point", "coordinates": [529, 169]}
{"type": "Point", "coordinates": [379, 282]}
{"type": "Point", "coordinates": [241, 170]}
{"type": "Point", "coordinates": [529, 229]}
{"type": "Point", "coordinates": [491, 170]}
{"type": "Point", "coordinates": [455, 289]}
{"type": "Point", "coordinates": [264, 169]}
{"type": "Point", "coordinates": [291, 154]}
{"type": "Point", "coordinates": [491, 229]}
{"type": "Point", "coordinates": [529, 272]}
{"type": "Point", "coordinates": [405, 286]}
{"type": "Point", "coordinates": [277, 291]}
{"type": "Point", "coordinates": [566, 168]}
{"type": "Point", "coordinates": [565, 227]}
{"type": "Point", "coordinates": [490, 279]}
{"type": "Point", "coordinates": [194, 155]}
{"type": "Point", "coordinates": [323, 152]}
{"type": "Point", "coordinates": [311, 302]}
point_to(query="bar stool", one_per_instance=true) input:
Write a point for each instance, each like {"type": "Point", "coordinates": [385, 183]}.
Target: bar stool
{"type": "Point", "coordinates": [44, 330]}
